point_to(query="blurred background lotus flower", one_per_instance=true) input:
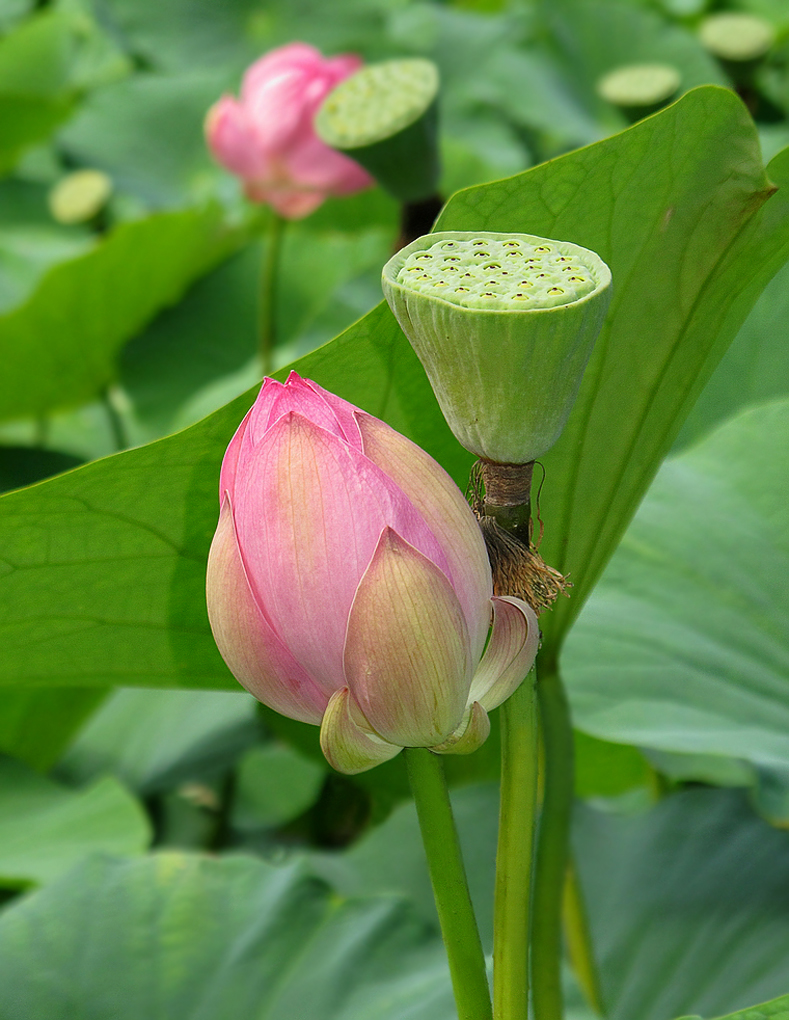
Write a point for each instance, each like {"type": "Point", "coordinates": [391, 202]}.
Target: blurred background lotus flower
{"type": "Point", "coordinates": [267, 137]}
{"type": "Point", "coordinates": [348, 583]}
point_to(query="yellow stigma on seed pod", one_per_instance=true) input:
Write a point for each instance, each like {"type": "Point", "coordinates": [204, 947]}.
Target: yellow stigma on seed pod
{"type": "Point", "coordinates": [500, 274]}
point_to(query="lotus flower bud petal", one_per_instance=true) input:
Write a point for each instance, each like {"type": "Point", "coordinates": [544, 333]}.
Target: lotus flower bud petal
{"type": "Point", "coordinates": [510, 654]}
{"type": "Point", "coordinates": [347, 741]}
{"type": "Point", "coordinates": [472, 733]}
{"type": "Point", "coordinates": [348, 582]}
{"type": "Point", "coordinates": [267, 137]}
{"type": "Point", "coordinates": [254, 653]}
{"type": "Point", "coordinates": [406, 651]}
{"type": "Point", "coordinates": [442, 505]}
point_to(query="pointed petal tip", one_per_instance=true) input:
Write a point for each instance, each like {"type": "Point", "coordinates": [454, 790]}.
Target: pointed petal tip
{"type": "Point", "coordinates": [348, 744]}
{"type": "Point", "coordinates": [472, 733]}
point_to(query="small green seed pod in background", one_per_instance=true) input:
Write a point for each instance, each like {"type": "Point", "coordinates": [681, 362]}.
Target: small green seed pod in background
{"type": "Point", "coordinates": [79, 196]}
{"type": "Point", "coordinates": [639, 89]}
{"type": "Point", "coordinates": [385, 116]}
{"type": "Point", "coordinates": [739, 41]}
{"type": "Point", "coordinates": [504, 325]}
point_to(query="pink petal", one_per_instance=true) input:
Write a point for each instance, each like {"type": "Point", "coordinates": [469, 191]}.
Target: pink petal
{"type": "Point", "coordinates": [313, 164]}
{"type": "Point", "coordinates": [288, 202]}
{"type": "Point", "coordinates": [252, 651]}
{"type": "Point", "coordinates": [346, 739]}
{"type": "Point", "coordinates": [407, 651]}
{"type": "Point", "coordinates": [232, 140]}
{"type": "Point", "coordinates": [277, 112]}
{"type": "Point", "coordinates": [227, 476]}
{"type": "Point", "coordinates": [297, 54]}
{"type": "Point", "coordinates": [309, 511]}
{"type": "Point", "coordinates": [442, 506]}
{"type": "Point", "coordinates": [510, 654]}
{"type": "Point", "coordinates": [309, 400]}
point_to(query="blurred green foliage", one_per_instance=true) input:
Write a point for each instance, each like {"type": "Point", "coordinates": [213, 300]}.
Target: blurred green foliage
{"type": "Point", "coordinates": [121, 331]}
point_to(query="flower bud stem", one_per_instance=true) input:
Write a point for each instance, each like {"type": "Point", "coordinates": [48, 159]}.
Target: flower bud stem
{"type": "Point", "coordinates": [515, 853]}
{"type": "Point", "coordinates": [267, 319]}
{"type": "Point", "coordinates": [450, 887]}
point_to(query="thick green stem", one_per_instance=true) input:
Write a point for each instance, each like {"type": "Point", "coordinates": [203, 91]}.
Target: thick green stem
{"type": "Point", "coordinates": [450, 888]}
{"type": "Point", "coordinates": [579, 942]}
{"type": "Point", "coordinates": [552, 847]}
{"type": "Point", "coordinates": [519, 762]}
{"type": "Point", "coordinates": [267, 325]}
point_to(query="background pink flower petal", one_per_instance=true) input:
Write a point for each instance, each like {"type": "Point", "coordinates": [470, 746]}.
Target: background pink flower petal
{"type": "Point", "coordinates": [268, 139]}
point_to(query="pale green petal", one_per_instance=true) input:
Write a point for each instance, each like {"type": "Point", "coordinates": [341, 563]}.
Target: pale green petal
{"type": "Point", "coordinates": [470, 735]}
{"type": "Point", "coordinates": [407, 659]}
{"type": "Point", "coordinates": [347, 741]}
{"type": "Point", "coordinates": [510, 654]}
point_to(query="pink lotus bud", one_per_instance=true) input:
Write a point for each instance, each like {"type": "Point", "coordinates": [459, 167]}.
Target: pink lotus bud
{"type": "Point", "coordinates": [348, 583]}
{"type": "Point", "coordinates": [267, 136]}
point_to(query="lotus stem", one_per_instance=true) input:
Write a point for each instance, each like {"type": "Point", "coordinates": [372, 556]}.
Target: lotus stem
{"type": "Point", "coordinates": [450, 886]}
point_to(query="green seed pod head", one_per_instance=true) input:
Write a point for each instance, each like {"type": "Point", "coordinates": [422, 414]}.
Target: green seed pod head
{"type": "Point", "coordinates": [639, 86]}
{"type": "Point", "coordinates": [79, 196]}
{"type": "Point", "coordinates": [504, 325]}
{"type": "Point", "coordinates": [736, 38]}
{"type": "Point", "coordinates": [385, 117]}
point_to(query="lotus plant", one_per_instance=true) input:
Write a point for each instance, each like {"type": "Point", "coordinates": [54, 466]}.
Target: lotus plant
{"type": "Point", "coordinates": [348, 583]}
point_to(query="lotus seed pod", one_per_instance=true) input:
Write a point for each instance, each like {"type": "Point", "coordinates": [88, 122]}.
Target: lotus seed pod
{"type": "Point", "coordinates": [79, 196]}
{"type": "Point", "coordinates": [385, 117]}
{"type": "Point", "coordinates": [736, 38]}
{"type": "Point", "coordinates": [639, 89]}
{"type": "Point", "coordinates": [504, 325]}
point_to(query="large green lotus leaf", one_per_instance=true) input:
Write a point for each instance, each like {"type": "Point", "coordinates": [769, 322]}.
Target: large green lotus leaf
{"type": "Point", "coordinates": [755, 368]}
{"type": "Point", "coordinates": [59, 348]}
{"type": "Point", "coordinates": [683, 645]}
{"type": "Point", "coordinates": [45, 829]}
{"type": "Point", "coordinates": [776, 1008]}
{"type": "Point", "coordinates": [154, 739]}
{"type": "Point", "coordinates": [187, 937]}
{"type": "Point", "coordinates": [27, 120]}
{"type": "Point", "coordinates": [36, 724]}
{"type": "Point", "coordinates": [27, 253]}
{"type": "Point", "coordinates": [105, 565]}
{"type": "Point", "coordinates": [688, 906]}
{"type": "Point", "coordinates": [690, 250]}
